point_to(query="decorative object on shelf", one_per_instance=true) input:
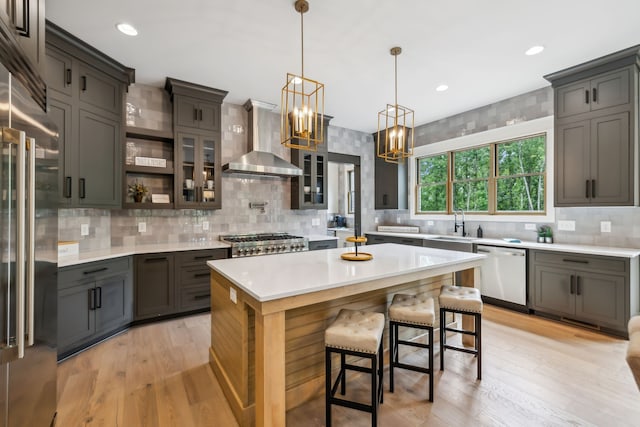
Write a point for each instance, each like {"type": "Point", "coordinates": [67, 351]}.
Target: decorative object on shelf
{"type": "Point", "coordinates": [395, 122]}
{"type": "Point", "coordinates": [151, 162]}
{"type": "Point", "coordinates": [545, 235]}
{"type": "Point", "coordinates": [302, 106]}
{"type": "Point", "coordinates": [137, 191]}
{"type": "Point", "coordinates": [356, 256]}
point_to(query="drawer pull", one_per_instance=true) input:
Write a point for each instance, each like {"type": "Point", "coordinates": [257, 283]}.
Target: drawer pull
{"type": "Point", "coordinates": [586, 96]}
{"type": "Point", "coordinates": [202, 257]}
{"type": "Point", "coordinates": [201, 275]}
{"type": "Point", "coordinates": [81, 188]}
{"type": "Point", "coordinates": [68, 76]}
{"type": "Point", "coordinates": [84, 83]}
{"type": "Point", "coordinates": [595, 95]}
{"type": "Point", "coordinates": [155, 259]}
{"type": "Point", "coordinates": [199, 297]}
{"type": "Point", "coordinates": [577, 261]}
{"type": "Point", "coordinates": [98, 270]}
{"type": "Point", "coordinates": [67, 187]}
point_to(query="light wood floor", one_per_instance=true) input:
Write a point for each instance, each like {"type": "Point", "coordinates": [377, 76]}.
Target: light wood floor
{"type": "Point", "coordinates": [535, 373]}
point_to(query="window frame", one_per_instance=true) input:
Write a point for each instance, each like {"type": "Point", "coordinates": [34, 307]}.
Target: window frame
{"type": "Point", "coordinates": [504, 134]}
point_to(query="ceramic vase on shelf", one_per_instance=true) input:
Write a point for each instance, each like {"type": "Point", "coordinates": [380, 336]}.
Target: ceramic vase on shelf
{"type": "Point", "coordinates": [138, 198]}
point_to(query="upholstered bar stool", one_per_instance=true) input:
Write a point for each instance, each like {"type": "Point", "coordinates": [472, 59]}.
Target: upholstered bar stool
{"type": "Point", "coordinates": [467, 301]}
{"type": "Point", "coordinates": [354, 333]}
{"type": "Point", "coordinates": [412, 311]}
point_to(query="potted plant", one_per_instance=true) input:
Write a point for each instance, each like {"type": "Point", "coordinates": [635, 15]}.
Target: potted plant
{"type": "Point", "coordinates": [545, 234]}
{"type": "Point", "coordinates": [137, 191]}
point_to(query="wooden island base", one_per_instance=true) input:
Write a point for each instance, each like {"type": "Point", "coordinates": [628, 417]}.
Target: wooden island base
{"type": "Point", "coordinates": [233, 340]}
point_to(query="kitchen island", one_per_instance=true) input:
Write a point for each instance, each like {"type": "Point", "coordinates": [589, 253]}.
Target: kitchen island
{"type": "Point", "coordinates": [268, 316]}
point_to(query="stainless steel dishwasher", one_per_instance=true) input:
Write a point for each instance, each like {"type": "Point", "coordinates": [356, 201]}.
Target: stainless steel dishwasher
{"type": "Point", "coordinates": [503, 276]}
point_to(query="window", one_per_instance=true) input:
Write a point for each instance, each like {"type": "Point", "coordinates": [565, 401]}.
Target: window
{"type": "Point", "coordinates": [498, 178]}
{"type": "Point", "coordinates": [471, 179]}
{"type": "Point", "coordinates": [432, 183]}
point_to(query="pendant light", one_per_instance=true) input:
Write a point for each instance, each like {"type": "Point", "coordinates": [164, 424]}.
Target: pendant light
{"type": "Point", "coordinates": [395, 126]}
{"type": "Point", "coordinates": [302, 114]}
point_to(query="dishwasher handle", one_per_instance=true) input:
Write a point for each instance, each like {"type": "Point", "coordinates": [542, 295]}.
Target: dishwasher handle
{"type": "Point", "coordinates": [498, 250]}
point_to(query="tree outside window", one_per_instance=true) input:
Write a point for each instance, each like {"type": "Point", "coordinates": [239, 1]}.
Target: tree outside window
{"type": "Point", "coordinates": [432, 183]}
{"type": "Point", "coordinates": [471, 169]}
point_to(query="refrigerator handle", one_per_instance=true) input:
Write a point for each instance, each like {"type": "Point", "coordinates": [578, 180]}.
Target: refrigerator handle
{"type": "Point", "coordinates": [21, 243]}
{"type": "Point", "coordinates": [31, 238]}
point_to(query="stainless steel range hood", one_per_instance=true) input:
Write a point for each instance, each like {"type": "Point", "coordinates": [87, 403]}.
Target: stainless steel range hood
{"type": "Point", "coordinates": [260, 160]}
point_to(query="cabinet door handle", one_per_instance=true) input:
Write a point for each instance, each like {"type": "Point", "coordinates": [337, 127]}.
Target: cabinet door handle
{"type": "Point", "coordinates": [195, 114]}
{"type": "Point", "coordinates": [200, 114]}
{"type": "Point", "coordinates": [201, 275]}
{"type": "Point", "coordinates": [67, 187]}
{"type": "Point", "coordinates": [97, 270]}
{"type": "Point", "coordinates": [586, 96]}
{"type": "Point", "coordinates": [203, 296]}
{"type": "Point", "coordinates": [572, 287]}
{"type": "Point", "coordinates": [578, 286]}
{"type": "Point", "coordinates": [154, 259]}
{"type": "Point", "coordinates": [92, 299]}
{"type": "Point", "coordinates": [99, 303]}
{"type": "Point", "coordinates": [68, 76]}
{"type": "Point", "coordinates": [588, 190]}
{"type": "Point", "coordinates": [577, 261]}
{"type": "Point", "coordinates": [84, 83]}
{"type": "Point", "coordinates": [384, 199]}
{"type": "Point", "coordinates": [81, 189]}
{"type": "Point", "coordinates": [593, 188]}
{"type": "Point", "coordinates": [202, 257]}
{"type": "Point", "coordinates": [594, 95]}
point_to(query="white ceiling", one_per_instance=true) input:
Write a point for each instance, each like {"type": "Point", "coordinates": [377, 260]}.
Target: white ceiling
{"type": "Point", "coordinates": [247, 47]}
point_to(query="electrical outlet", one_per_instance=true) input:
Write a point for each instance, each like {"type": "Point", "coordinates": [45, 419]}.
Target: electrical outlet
{"type": "Point", "coordinates": [605, 226]}
{"type": "Point", "coordinates": [142, 227]}
{"type": "Point", "coordinates": [530, 227]}
{"type": "Point", "coordinates": [315, 222]}
{"type": "Point", "coordinates": [375, 220]}
{"type": "Point", "coordinates": [430, 222]}
{"type": "Point", "coordinates": [233, 295]}
{"type": "Point", "coordinates": [567, 225]}
{"type": "Point", "coordinates": [398, 220]}
{"type": "Point", "coordinates": [84, 229]}
{"type": "Point", "coordinates": [205, 225]}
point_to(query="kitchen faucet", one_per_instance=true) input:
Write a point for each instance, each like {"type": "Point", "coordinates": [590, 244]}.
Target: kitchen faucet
{"type": "Point", "coordinates": [457, 224]}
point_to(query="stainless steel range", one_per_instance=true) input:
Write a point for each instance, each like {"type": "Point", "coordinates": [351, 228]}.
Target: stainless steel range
{"type": "Point", "coordinates": [264, 244]}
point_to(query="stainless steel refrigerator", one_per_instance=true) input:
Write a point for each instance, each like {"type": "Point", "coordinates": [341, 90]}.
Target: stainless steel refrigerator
{"type": "Point", "coordinates": [28, 282]}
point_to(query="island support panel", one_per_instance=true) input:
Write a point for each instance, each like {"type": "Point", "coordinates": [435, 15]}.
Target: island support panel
{"type": "Point", "coordinates": [235, 329]}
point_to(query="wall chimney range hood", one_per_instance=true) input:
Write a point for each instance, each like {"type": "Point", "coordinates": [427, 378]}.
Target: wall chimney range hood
{"type": "Point", "coordinates": [260, 160]}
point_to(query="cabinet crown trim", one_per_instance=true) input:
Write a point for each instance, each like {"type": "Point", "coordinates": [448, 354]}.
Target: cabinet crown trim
{"type": "Point", "coordinates": [194, 90]}
{"type": "Point", "coordinates": [613, 61]}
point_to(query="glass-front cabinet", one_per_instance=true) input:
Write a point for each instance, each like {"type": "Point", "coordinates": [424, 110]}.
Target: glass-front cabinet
{"type": "Point", "coordinates": [198, 182]}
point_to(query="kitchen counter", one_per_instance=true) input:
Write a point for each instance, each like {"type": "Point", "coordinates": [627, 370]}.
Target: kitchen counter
{"type": "Point", "coordinates": [120, 251]}
{"type": "Point", "coordinates": [274, 309]}
{"type": "Point", "coordinates": [557, 247]}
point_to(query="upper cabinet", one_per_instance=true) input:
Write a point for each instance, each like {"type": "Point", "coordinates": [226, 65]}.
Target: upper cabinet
{"type": "Point", "coordinates": [86, 102]}
{"type": "Point", "coordinates": [391, 183]}
{"type": "Point", "coordinates": [309, 191]}
{"type": "Point", "coordinates": [596, 122]}
{"type": "Point", "coordinates": [22, 25]}
{"type": "Point", "coordinates": [197, 135]}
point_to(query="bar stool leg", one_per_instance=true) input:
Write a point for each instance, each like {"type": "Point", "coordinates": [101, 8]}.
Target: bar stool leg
{"type": "Point", "coordinates": [374, 390]}
{"type": "Point", "coordinates": [343, 373]}
{"type": "Point", "coordinates": [479, 344]}
{"type": "Point", "coordinates": [443, 338]}
{"type": "Point", "coordinates": [381, 372]}
{"type": "Point", "coordinates": [392, 353]}
{"type": "Point", "coordinates": [431, 365]}
{"type": "Point", "coordinates": [327, 405]}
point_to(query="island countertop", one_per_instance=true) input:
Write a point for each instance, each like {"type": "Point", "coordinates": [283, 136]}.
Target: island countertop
{"type": "Point", "coordinates": [271, 277]}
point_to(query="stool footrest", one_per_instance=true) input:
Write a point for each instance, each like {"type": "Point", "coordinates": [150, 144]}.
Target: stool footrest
{"type": "Point", "coordinates": [349, 404]}
{"type": "Point", "coordinates": [412, 367]}
{"type": "Point", "coordinates": [463, 349]}
{"type": "Point", "coordinates": [460, 331]}
{"type": "Point", "coordinates": [413, 344]}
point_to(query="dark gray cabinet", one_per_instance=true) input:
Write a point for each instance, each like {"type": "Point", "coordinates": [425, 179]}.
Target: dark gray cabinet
{"type": "Point", "coordinates": [593, 290]}
{"type": "Point", "coordinates": [192, 277]}
{"type": "Point", "coordinates": [197, 135]}
{"type": "Point", "coordinates": [309, 191]}
{"type": "Point", "coordinates": [154, 285]}
{"type": "Point", "coordinates": [86, 101]}
{"type": "Point", "coordinates": [373, 239]}
{"type": "Point", "coordinates": [94, 300]}
{"type": "Point", "coordinates": [596, 122]}
{"type": "Point", "coordinates": [391, 183]}
{"type": "Point", "coordinates": [317, 245]}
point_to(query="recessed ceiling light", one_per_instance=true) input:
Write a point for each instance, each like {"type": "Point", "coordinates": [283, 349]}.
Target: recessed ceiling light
{"type": "Point", "coordinates": [127, 29]}
{"type": "Point", "coordinates": [442, 88]}
{"type": "Point", "coordinates": [534, 50]}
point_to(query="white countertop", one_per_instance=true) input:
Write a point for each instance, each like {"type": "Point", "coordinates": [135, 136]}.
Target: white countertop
{"type": "Point", "coordinates": [269, 277]}
{"type": "Point", "coordinates": [120, 251]}
{"type": "Point", "coordinates": [557, 247]}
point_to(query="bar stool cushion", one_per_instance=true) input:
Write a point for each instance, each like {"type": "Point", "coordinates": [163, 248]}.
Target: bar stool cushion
{"type": "Point", "coordinates": [460, 298]}
{"type": "Point", "coordinates": [416, 309]}
{"type": "Point", "coordinates": [356, 331]}
{"type": "Point", "coordinates": [633, 350]}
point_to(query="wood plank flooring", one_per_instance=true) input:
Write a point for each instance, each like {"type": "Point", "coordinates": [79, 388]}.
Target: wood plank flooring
{"type": "Point", "coordinates": [536, 372]}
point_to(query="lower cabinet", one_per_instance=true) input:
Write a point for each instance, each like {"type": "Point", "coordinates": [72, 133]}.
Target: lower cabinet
{"type": "Point", "coordinates": [171, 283]}
{"type": "Point", "coordinates": [316, 245]}
{"type": "Point", "coordinates": [593, 290]}
{"type": "Point", "coordinates": [373, 239]}
{"type": "Point", "coordinates": [94, 300]}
